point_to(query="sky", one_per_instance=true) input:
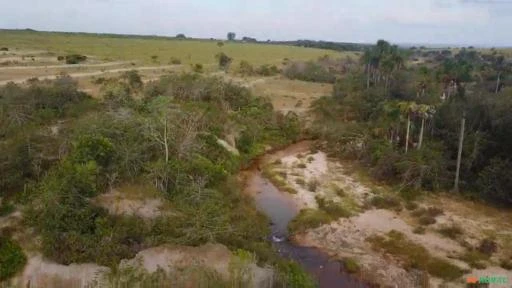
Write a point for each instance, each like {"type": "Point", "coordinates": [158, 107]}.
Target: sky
{"type": "Point", "coordinates": [451, 22]}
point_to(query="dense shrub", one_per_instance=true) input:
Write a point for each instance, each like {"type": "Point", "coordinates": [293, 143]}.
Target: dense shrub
{"type": "Point", "coordinates": [494, 181]}
{"type": "Point", "coordinates": [334, 209]}
{"type": "Point", "coordinates": [309, 71]}
{"type": "Point", "coordinates": [175, 61]}
{"type": "Point", "coordinates": [133, 79]}
{"type": "Point", "coordinates": [183, 115]}
{"type": "Point", "coordinates": [224, 60]}
{"type": "Point", "coordinates": [267, 70]}
{"type": "Point", "coordinates": [292, 275]}
{"type": "Point", "coordinates": [75, 58]}
{"type": "Point", "coordinates": [488, 246]}
{"type": "Point", "coordinates": [198, 68]}
{"type": "Point", "coordinates": [12, 258]}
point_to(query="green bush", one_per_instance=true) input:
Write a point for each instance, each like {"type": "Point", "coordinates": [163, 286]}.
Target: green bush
{"type": "Point", "coordinates": [290, 274]}
{"type": "Point", "coordinates": [12, 258]}
{"type": "Point", "coordinates": [93, 148]}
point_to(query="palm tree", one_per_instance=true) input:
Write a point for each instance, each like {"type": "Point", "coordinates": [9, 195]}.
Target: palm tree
{"type": "Point", "coordinates": [408, 108]}
{"type": "Point", "coordinates": [425, 112]}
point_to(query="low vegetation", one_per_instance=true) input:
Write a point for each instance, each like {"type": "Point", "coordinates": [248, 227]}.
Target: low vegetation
{"type": "Point", "coordinates": [312, 218]}
{"type": "Point", "coordinates": [75, 58]}
{"type": "Point", "coordinates": [427, 216]}
{"type": "Point", "coordinates": [451, 231]}
{"type": "Point", "coordinates": [475, 259]}
{"type": "Point", "coordinates": [278, 179]}
{"type": "Point", "coordinates": [386, 202]}
{"type": "Point", "coordinates": [414, 256]}
{"type": "Point", "coordinates": [334, 209]}
{"type": "Point", "coordinates": [63, 148]}
{"type": "Point", "coordinates": [308, 219]}
{"type": "Point", "coordinates": [12, 258]}
{"type": "Point", "coordinates": [351, 265]}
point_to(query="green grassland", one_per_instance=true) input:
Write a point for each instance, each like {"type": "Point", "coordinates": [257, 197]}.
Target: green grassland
{"type": "Point", "coordinates": [109, 47]}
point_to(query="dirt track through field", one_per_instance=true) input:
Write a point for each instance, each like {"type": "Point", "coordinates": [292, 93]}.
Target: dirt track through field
{"type": "Point", "coordinates": [107, 64]}
{"type": "Point", "coordinates": [89, 74]}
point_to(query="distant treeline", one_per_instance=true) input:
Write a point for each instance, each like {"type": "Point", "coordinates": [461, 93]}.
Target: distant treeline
{"type": "Point", "coordinates": [337, 46]}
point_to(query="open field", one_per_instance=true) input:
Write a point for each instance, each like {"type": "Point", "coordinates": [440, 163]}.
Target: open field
{"type": "Point", "coordinates": [141, 50]}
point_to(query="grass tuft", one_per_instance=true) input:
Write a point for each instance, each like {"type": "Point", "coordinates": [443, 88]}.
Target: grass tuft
{"type": "Point", "coordinates": [351, 265]}
{"type": "Point", "coordinates": [451, 232]}
{"type": "Point", "coordinates": [308, 219]}
{"type": "Point", "coordinates": [386, 202]}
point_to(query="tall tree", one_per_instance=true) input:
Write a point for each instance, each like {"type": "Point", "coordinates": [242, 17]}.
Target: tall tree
{"type": "Point", "coordinates": [231, 36]}
{"type": "Point", "coordinates": [408, 108]}
{"type": "Point", "coordinates": [459, 153]}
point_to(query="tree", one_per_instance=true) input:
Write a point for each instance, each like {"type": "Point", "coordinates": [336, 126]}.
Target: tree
{"type": "Point", "coordinates": [425, 112]}
{"type": "Point", "coordinates": [231, 36]}
{"type": "Point", "coordinates": [408, 108]}
{"type": "Point", "coordinates": [459, 153]}
{"type": "Point", "coordinates": [181, 36]}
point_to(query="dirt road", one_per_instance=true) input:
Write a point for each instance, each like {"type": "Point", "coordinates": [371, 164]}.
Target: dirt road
{"type": "Point", "coordinates": [107, 64]}
{"type": "Point", "coordinates": [94, 73]}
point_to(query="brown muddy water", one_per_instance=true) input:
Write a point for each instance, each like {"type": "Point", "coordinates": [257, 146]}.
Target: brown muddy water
{"type": "Point", "coordinates": [281, 209]}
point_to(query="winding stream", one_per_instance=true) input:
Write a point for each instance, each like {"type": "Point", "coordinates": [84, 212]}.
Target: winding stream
{"type": "Point", "coordinates": [281, 209]}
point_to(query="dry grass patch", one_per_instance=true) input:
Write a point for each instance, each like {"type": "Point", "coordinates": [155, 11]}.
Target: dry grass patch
{"type": "Point", "coordinates": [414, 256]}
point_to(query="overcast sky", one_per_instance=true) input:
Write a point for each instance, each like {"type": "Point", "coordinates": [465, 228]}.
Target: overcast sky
{"type": "Point", "coordinates": [469, 22]}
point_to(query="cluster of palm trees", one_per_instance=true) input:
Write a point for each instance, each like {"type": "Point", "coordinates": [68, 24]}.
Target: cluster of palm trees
{"type": "Point", "coordinates": [409, 112]}
{"type": "Point", "coordinates": [381, 62]}
{"type": "Point", "coordinates": [414, 111]}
